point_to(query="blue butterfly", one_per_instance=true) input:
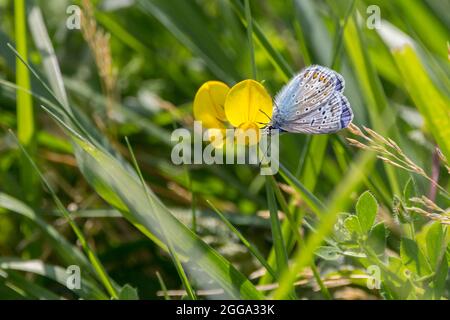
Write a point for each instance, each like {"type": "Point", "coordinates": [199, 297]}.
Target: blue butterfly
{"type": "Point", "coordinates": [312, 102]}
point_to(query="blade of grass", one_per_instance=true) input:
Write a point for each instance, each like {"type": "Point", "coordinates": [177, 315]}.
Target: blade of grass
{"type": "Point", "coordinates": [118, 186]}
{"type": "Point", "coordinates": [193, 201]}
{"type": "Point", "coordinates": [280, 249]}
{"type": "Point", "coordinates": [25, 116]}
{"type": "Point", "coordinates": [415, 10]}
{"type": "Point", "coordinates": [337, 203]}
{"type": "Point", "coordinates": [311, 200]}
{"type": "Point", "coordinates": [36, 291]}
{"type": "Point", "coordinates": [284, 206]}
{"type": "Point", "coordinates": [371, 86]}
{"type": "Point", "coordinates": [43, 44]}
{"type": "Point", "coordinates": [338, 43]}
{"type": "Point", "coordinates": [322, 286]}
{"type": "Point", "coordinates": [68, 253]}
{"type": "Point", "coordinates": [25, 113]}
{"type": "Point", "coordinates": [56, 273]}
{"type": "Point", "coordinates": [274, 56]}
{"type": "Point", "coordinates": [433, 105]}
{"type": "Point", "coordinates": [294, 230]}
{"type": "Point", "coordinates": [249, 19]}
{"type": "Point", "coordinates": [187, 23]}
{"type": "Point", "coordinates": [163, 286]}
{"type": "Point", "coordinates": [256, 253]}
{"type": "Point", "coordinates": [101, 273]}
{"type": "Point", "coordinates": [173, 254]}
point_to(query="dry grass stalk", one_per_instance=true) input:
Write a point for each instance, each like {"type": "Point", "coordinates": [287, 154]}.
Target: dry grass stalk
{"type": "Point", "coordinates": [98, 41]}
{"type": "Point", "coordinates": [388, 151]}
{"type": "Point", "coordinates": [429, 209]}
{"type": "Point", "coordinates": [442, 218]}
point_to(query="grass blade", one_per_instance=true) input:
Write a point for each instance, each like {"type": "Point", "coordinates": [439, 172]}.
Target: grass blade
{"type": "Point", "coordinates": [25, 113]}
{"type": "Point", "coordinates": [101, 273]}
{"type": "Point", "coordinates": [339, 200]}
{"type": "Point", "coordinates": [55, 273]}
{"type": "Point", "coordinates": [163, 286]}
{"type": "Point", "coordinates": [256, 253]}
{"type": "Point", "coordinates": [173, 254]}
{"type": "Point", "coordinates": [248, 18]}
{"type": "Point", "coordinates": [280, 248]}
{"type": "Point", "coordinates": [275, 57]}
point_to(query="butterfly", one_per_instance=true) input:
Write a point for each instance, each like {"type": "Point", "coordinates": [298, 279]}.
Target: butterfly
{"type": "Point", "coordinates": [312, 102]}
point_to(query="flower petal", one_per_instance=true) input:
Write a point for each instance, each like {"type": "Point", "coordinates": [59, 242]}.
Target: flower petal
{"type": "Point", "coordinates": [247, 133]}
{"type": "Point", "coordinates": [248, 101]}
{"type": "Point", "coordinates": [208, 104]}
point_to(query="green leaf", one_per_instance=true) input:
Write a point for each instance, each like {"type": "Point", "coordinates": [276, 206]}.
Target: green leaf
{"type": "Point", "coordinates": [366, 210]}
{"type": "Point", "coordinates": [409, 190]}
{"type": "Point", "coordinates": [435, 244]}
{"type": "Point", "coordinates": [328, 253]}
{"type": "Point", "coordinates": [377, 238]}
{"type": "Point", "coordinates": [440, 279]}
{"type": "Point", "coordinates": [352, 225]}
{"type": "Point", "coordinates": [127, 292]}
{"type": "Point", "coordinates": [413, 258]}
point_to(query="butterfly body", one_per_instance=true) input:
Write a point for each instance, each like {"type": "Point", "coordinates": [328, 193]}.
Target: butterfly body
{"type": "Point", "coordinates": [312, 102]}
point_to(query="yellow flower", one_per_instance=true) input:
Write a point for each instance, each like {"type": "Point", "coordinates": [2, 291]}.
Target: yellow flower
{"type": "Point", "coordinates": [246, 106]}
{"type": "Point", "coordinates": [209, 103]}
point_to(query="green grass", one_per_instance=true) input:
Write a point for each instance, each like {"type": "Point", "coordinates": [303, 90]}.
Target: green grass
{"type": "Point", "coordinates": [136, 224]}
{"type": "Point", "coordinates": [25, 111]}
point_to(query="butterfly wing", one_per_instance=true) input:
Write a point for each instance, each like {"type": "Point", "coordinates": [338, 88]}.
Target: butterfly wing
{"type": "Point", "coordinates": [312, 102]}
{"type": "Point", "coordinates": [329, 117]}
